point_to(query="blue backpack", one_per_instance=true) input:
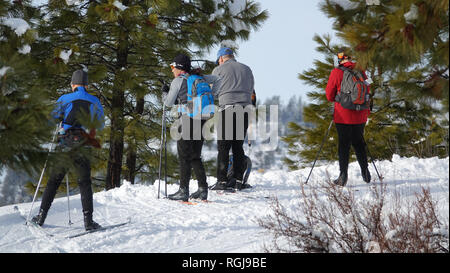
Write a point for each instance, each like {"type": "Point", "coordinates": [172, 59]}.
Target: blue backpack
{"type": "Point", "coordinates": [200, 99]}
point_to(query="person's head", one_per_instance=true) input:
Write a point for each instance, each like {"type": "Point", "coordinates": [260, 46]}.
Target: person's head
{"type": "Point", "coordinates": [224, 54]}
{"type": "Point", "coordinates": [79, 78]}
{"type": "Point", "coordinates": [343, 55]}
{"type": "Point", "coordinates": [181, 64]}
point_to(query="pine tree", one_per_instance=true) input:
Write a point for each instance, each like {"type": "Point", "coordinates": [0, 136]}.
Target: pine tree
{"type": "Point", "coordinates": [403, 46]}
{"type": "Point", "coordinates": [126, 47]}
{"type": "Point", "coordinates": [24, 102]}
{"type": "Point", "coordinates": [304, 139]}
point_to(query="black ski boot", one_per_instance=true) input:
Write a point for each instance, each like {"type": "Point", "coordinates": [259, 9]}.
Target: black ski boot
{"type": "Point", "coordinates": [366, 175]}
{"type": "Point", "coordinates": [182, 194]}
{"type": "Point", "coordinates": [40, 218]}
{"type": "Point", "coordinates": [238, 185]}
{"type": "Point", "coordinates": [231, 183]}
{"type": "Point", "coordinates": [220, 186]}
{"type": "Point", "coordinates": [201, 193]}
{"type": "Point", "coordinates": [89, 224]}
{"type": "Point", "coordinates": [342, 179]}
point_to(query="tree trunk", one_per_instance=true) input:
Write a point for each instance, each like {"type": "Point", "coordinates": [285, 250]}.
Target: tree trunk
{"type": "Point", "coordinates": [132, 156]}
{"type": "Point", "coordinates": [114, 169]}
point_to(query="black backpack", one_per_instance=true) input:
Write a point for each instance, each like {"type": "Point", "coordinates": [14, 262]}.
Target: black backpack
{"type": "Point", "coordinates": [75, 136]}
{"type": "Point", "coordinates": [79, 108]}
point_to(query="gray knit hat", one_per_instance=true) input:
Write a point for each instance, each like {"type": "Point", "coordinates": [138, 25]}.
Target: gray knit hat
{"type": "Point", "coordinates": [79, 77]}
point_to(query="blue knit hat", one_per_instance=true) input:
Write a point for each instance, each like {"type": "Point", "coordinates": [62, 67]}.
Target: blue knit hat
{"type": "Point", "coordinates": [222, 52]}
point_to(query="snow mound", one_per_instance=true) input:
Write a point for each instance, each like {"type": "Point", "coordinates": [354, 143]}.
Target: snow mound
{"type": "Point", "coordinates": [228, 223]}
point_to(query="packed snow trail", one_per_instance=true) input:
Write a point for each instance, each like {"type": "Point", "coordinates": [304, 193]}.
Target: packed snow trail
{"type": "Point", "coordinates": [226, 224]}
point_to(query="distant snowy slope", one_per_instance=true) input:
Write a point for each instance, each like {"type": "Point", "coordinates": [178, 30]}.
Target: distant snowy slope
{"type": "Point", "coordinates": [227, 224]}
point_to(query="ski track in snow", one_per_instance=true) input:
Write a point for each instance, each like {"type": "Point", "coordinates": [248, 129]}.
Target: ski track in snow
{"type": "Point", "coordinates": [227, 224]}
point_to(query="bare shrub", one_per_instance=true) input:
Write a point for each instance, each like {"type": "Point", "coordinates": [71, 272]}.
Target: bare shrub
{"type": "Point", "coordinates": [330, 219]}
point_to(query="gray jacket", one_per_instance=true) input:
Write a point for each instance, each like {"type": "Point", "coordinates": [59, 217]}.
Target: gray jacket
{"type": "Point", "coordinates": [236, 83]}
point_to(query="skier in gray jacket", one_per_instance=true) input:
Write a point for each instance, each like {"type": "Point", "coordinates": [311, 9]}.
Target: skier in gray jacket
{"type": "Point", "coordinates": [234, 92]}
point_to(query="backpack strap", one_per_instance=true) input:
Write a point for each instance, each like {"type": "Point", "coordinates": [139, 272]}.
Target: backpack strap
{"type": "Point", "coordinates": [357, 74]}
{"type": "Point", "coordinates": [343, 68]}
{"type": "Point", "coordinates": [194, 87]}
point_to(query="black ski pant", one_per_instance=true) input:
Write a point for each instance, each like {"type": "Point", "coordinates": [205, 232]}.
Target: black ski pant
{"type": "Point", "coordinates": [82, 167]}
{"type": "Point", "coordinates": [190, 154]}
{"type": "Point", "coordinates": [351, 135]}
{"type": "Point", "coordinates": [224, 144]}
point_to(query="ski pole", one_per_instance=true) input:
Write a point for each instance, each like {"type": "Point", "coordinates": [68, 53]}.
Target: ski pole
{"type": "Point", "coordinates": [320, 149]}
{"type": "Point", "coordinates": [68, 199]}
{"type": "Point", "coordinates": [161, 147]}
{"type": "Point", "coordinates": [42, 173]}
{"type": "Point", "coordinates": [371, 158]}
{"type": "Point", "coordinates": [165, 156]}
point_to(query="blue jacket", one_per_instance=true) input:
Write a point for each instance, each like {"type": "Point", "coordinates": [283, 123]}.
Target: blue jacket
{"type": "Point", "coordinates": [65, 103]}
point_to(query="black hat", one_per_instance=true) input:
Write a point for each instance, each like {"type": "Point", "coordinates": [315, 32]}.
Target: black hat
{"type": "Point", "coordinates": [182, 62]}
{"type": "Point", "coordinates": [79, 77]}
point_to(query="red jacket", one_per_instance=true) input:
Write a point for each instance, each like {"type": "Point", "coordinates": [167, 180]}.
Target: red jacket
{"type": "Point", "coordinates": [342, 115]}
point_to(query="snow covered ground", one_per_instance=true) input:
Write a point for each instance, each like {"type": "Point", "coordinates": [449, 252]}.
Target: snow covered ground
{"type": "Point", "coordinates": [227, 224]}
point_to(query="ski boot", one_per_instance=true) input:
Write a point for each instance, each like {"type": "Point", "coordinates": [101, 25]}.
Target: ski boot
{"type": "Point", "coordinates": [201, 193]}
{"type": "Point", "coordinates": [40, 218]}
{"type": "Point", "coordinates": [182, 194]}
{"type": "Point", "coordinates": [342, 179]}
{"type": "Point", "coordinates": [366, 175]}
{"type": "Point", "coordinates": [238, 185]}
{"type": "Point", "coordinates": [90, 224]}
{"type": "Point", "coordinates": [220, 186]}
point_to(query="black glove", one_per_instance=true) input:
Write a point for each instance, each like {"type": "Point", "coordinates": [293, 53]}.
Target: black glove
{"type": "Point", "coordinates": [165, 89]}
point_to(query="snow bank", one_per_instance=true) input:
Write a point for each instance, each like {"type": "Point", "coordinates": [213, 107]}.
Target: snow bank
{"type": "Point", "coordinates": [227, 224]}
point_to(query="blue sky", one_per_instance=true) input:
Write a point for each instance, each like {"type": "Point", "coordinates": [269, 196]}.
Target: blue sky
{"type": "Point", "coordinates": [283, 47]}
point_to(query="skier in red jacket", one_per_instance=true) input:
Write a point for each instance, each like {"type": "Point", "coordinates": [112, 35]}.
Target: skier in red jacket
{"type": "Point", "coordinates": [349, 124]}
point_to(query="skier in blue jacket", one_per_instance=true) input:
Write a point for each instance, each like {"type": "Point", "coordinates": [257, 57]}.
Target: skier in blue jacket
{"type": "Point", "coordinates": [79, 113]}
